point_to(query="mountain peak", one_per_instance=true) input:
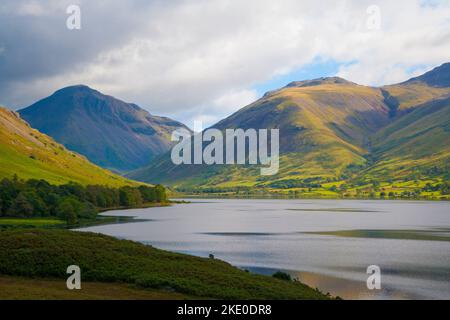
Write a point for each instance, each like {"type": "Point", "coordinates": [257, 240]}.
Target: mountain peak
{"type": "Point", "coordinates": [108, 131]}
{"type": "Point", "coordinates": [94, 97]}
{"type": "Point", "coordinates": [318, 81]}
{"type": "Point", "coordinates": [311, 83]}
{"type": "Point", "coordinates": [75, 88]}
{"type": "Point", "coordinates": [438, 77]}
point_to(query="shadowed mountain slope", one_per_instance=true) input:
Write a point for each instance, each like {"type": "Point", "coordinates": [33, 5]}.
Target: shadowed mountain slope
{"type": "Point", "coordinates": [109, 132]}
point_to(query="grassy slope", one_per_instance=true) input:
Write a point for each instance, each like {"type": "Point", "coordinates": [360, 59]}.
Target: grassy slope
{"type": "Point", "coordinates": [419, 139]}
{"type": "Point", "coordinates": [414, 94]}
{"type": "Point", "coordinates": [323, 129]}
{"type": "Point", "coordinates": [327, 126]}
{"type": "Point", "coordinates": [42, 253]}
{"type": "Point", "coordinates": [30, 154]}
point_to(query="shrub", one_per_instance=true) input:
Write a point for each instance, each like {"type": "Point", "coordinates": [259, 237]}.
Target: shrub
{"type": "Point", "coordinates": [282, 276]}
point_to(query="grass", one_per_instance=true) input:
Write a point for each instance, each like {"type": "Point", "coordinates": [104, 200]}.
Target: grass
{"type": "Point", "coordinates": [32, 155]}
{"type": "Point", "coordinates": [46, 254]}
{"type": "Point", "coordinates": [19, 288]}
{"type": "Point", "coordinates": [414, 94]}
{"type": "Point", "coordinates": [30, 222]}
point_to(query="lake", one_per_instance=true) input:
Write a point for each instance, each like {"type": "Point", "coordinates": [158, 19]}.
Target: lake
{"type": "Point", "coordinates": [326, 244]}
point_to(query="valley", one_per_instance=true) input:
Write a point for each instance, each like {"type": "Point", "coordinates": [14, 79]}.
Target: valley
{"type": "Point", "coordinates": [337, 140]}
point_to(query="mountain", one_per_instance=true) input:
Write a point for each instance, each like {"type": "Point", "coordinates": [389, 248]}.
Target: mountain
{"type": "Point", "coordinates": [421, 89]}
{"type": "Point", "coordinates": [333, 130]}
{"type": "Point", "coordinates": [439, 77]}
{"type": "Point", "coordinates": [419, 139]}
{"type": "Point", "coordinates": [111, 133]}
{"type": "Point", "coordinates": [32, 155]}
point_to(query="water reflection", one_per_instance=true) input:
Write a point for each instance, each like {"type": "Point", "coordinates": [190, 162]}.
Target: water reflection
{"type": "Point", "coordinates": [326, 243]}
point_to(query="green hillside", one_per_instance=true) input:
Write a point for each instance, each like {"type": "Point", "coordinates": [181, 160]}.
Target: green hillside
{"type": "Point", "coordinates": [102, 259]}
{"type": "Point", "coordinates": [333, 115]}
{"type": "Point", "coordinates": [32, 155]}
{"type": "Point", "coordinates": [336, 138]}
{"type": "Point", "coordinates": [418, 141]}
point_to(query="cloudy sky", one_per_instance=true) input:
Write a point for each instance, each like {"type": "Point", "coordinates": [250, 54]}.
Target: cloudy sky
{"type": "Point", "coordinates": [204, 59]}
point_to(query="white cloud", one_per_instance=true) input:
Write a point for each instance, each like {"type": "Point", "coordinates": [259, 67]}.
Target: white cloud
{"type": "Point", "coordinates": [223, 106]}
{"type": "Point", "coordinates": [32, 8]}
{"type": "Point", "coordinates": [200, 59]}
{"type": "Point", "coordinates": [230, 100]}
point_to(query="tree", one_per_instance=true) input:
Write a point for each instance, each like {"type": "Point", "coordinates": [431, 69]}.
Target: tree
{"type": "Point", "coordinates": [21, 207]}
{"type": "Point", "coordinates": [8, 192]}
{"type": "Point", "coordinates": [87, 211]}
{"type": "Point", "coordinates": [125, 197]}
{"type": "Point", "coordinates": [39, 206]}
{"type": "Point", "coordinates": [161, 195]}
{"type": "Point", "coordinates": [130, 197]}
{"type": "Point", "coordinates": [67, 210]}
{"type": "Point", "coordinates": [70, 201]}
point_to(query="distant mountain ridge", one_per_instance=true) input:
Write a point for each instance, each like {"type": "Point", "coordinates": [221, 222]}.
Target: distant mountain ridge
{"type": "Point", "coordinates": [438, 77]}
{"type": "Point", "coordinates": [111, 133]}
{"type": "Point", "coordinates": [334, 130]}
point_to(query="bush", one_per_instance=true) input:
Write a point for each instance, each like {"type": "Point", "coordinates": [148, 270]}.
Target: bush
{"type": "Point", "coordinates": [282, 276]}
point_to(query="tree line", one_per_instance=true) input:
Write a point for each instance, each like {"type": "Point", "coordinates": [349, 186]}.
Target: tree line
{"type": "Point", "coordinates": [71, 202]}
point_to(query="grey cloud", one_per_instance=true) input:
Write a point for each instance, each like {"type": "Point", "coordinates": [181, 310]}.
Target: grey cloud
{"type": "Point", "coordinates": [201, 58]}
{"type": "Point", "coordinates": [37, 46]}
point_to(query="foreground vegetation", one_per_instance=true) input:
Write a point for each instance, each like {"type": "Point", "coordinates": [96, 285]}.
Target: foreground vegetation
{"type": "Point", "coordinates": [46, 253]}
{"type": "Point", "coordinates": [20, 288]}
{"type": "Point", "coordinates": [72, 203]}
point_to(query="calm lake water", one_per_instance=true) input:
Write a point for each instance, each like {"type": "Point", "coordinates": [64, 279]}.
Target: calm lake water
{"type": "Point", "coordinates": [408, 240]}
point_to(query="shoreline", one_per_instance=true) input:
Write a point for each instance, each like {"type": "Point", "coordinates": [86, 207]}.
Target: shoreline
{"type": "Point", "coordinates": [106, 220]}
{"type": "Point", "coordinates": [275, 197]}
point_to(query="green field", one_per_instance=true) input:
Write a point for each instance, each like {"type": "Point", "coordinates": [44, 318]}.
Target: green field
{"type": "Point", "coordinates": [46, 254]}
{"type": "Point", "coordinates": [31, 222]}
{"type": "Point", "coordinates": [20, 288]}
